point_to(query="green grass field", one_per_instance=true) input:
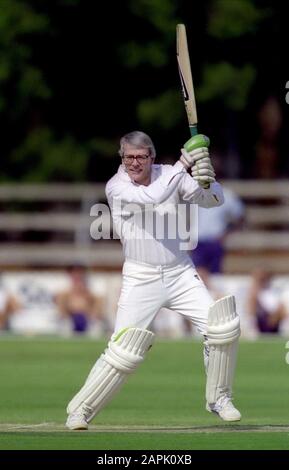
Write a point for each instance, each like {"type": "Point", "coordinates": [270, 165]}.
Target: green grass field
{"type": "Point", "coordinates": [160, 407]}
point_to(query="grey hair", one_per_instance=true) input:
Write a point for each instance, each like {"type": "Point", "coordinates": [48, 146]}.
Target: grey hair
{"type": "Point", "coordinates": [139, 140]}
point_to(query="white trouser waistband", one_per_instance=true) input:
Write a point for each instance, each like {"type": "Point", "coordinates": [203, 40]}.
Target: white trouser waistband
{"type": "Point", "coordinates": [182, 262]}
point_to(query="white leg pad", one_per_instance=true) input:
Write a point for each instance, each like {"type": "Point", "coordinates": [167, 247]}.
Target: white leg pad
{"type": "Point", "coordinates": [223, 334]}
{"type": "Point", "coordinates": [125, 352]}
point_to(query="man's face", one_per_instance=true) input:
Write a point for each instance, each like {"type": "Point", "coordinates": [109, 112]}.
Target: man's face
{"type": "Point", "coordinates": [139, 167]}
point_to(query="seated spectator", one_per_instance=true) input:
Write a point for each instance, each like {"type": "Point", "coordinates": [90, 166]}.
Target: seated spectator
{"type": "Point", "coordinates": [78, 304]}
{"type": "Point", "coordinates": [214, 225]}
{"type": "Point", "coordinates": [264, 303]}
{"type": "Point", "coordinates": [8, 305]}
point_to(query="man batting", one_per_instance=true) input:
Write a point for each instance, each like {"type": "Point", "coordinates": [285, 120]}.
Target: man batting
{"type": "Point", "coordinates": [158, 273]}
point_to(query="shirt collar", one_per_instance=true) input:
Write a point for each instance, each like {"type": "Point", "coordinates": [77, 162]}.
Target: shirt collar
{"type": "Point", "coordinates": [124, 175]}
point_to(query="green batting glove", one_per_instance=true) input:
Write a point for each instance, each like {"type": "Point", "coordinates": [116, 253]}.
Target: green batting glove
{"type": "Point", "coordinates": [197, 141]}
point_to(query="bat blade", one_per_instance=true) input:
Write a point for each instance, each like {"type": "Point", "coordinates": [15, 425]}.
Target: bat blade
{"type": "Point", "coordinates": [184, 66]}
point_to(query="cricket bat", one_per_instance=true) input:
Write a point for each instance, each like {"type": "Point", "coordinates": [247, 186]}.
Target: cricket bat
{"type": "Point", "coordinates": [184, 66]}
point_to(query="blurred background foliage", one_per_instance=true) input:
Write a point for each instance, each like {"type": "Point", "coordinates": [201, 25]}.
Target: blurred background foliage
{"type": "Point", "coordinates": [76, 75]}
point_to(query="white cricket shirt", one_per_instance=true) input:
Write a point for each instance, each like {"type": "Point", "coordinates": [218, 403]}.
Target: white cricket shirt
{"type": "Point", "coordinates": [148, 218]}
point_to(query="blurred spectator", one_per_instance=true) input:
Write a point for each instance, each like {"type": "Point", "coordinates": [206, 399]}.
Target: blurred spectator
{"type": "Point", "coordinates": [78, 304]}
{"type": "Point", "coordinates": [214, 225]}
{"type": "Point", "coordinates": [264, 303]}
{"type": "Point", "coordinates": [8, 305]}
{"type": "Point", "coordinates": [267, 146]}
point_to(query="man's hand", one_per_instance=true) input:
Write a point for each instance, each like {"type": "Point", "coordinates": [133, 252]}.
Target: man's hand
{"type": "Point", "coordinates": [195, 149]}
{"type": "Point", "coordinates": [189, 159]}
{"type": "Point", "coordinates": [203, 172]}
{"type": "Point", "coordinates": [195, 155]}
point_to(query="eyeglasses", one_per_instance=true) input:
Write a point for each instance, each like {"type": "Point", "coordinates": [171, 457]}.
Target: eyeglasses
{"type": "Point", "coordinates": [129, 159]}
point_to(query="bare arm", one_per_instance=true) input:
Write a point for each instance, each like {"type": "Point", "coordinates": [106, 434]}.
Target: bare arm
{"type": "Point", "coordinates": [96, 309]}
{"type": "Point", "coordinates": [12, 305]}
{"type": "Point", "coordinates": [252, 300]}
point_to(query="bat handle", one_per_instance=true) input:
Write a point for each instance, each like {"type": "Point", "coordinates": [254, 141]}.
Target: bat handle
{"type": "Point", "coordinates": [193, 130]}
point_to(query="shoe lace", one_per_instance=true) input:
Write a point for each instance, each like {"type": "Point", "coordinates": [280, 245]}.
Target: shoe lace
{"type": "Point", "coordinates": [224, 400]}
{"type": "Point", "coordinates": [86, 412]}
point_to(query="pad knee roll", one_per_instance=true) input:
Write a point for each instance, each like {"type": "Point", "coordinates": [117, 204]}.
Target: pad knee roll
{"type": "Point", "coordinates": [223, 321]}
{"type": "Point", "coordinates": [127, 349]}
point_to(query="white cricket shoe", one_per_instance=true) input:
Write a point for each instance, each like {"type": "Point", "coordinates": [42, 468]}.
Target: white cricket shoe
{"type": "Point", "coordinates": [77, 421]}
{"type": "Point", "coordinates": [225, 409]}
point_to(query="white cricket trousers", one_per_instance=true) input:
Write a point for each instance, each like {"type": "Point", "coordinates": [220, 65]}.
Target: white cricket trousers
{"type": "Point", "coordinates": [147, 288]}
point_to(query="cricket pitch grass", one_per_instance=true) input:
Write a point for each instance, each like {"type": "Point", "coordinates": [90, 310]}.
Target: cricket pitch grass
{"type": "Point", "coordinates": [160, 407]}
